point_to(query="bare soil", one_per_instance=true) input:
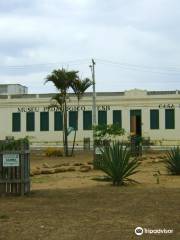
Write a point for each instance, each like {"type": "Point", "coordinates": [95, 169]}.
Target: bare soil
{"type": "Point", "coordinates": [73, 206]}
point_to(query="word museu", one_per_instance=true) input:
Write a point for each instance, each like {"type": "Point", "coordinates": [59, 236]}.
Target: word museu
{"type": "Point", "coordinates": [150, 114]}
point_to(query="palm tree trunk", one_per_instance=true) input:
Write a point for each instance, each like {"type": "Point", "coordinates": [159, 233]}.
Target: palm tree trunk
{"type": "Point", "coordinates": [74, 140]}
{"type": "Point", "coordinates": [65, 131]}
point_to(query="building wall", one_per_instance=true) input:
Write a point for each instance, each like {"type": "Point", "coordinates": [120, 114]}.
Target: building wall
{"type": "Point", "coordinates": [8, 89]}
{"type": "Point", "coordinates": [17, 89]}
{"type": "Point", "coordinates": [130, 100]}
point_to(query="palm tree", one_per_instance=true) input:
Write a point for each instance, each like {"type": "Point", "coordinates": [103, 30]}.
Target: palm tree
{"type": "Point", "coordinates": [79, 87]}
{"type": "Point", "coordinates": [63, 80]}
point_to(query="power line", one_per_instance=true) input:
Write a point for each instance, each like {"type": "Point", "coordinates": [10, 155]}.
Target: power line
{"type": "Point", "coordinates": [141, 68]}
{"type": "Point", "coordinates": [138, 65]}
{"type": "Point", "coordinates": [168, 70]}
{"type": "Point", "coordinates": [73, 62]}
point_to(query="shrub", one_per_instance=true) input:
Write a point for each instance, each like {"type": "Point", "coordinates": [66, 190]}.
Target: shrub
{"type": "Point", "coordinates": [107, 132]}
{"type": "Point", "coordinates": [116, 163]}
{"type": "Point", "coordinates": [12, 144]}
{"type": "Point", "coordinates": [173, 161]}
{"type": "Point", "coordinates": [55, 152]}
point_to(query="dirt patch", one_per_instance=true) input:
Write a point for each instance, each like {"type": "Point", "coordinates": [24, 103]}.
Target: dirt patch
{"type": "Point", "coordinates": [77, 172]}
{"type": "Point", "coordinates": [72, 206]}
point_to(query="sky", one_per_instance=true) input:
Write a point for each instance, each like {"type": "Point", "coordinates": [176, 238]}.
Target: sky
{"type": "Point", "coordinates": [135, 43]}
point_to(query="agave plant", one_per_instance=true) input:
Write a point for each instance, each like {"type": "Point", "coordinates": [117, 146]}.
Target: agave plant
{"type": "Point", "coordinates": [117, 163]}
{"type": "Point", "coordinates": [173, 161]}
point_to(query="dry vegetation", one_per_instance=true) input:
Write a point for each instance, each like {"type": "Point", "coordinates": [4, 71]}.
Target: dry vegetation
{"type": "Point", "coordinates": [70, 205]}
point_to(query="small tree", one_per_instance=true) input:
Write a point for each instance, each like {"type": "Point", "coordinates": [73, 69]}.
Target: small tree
{"type": "Point", "coordinates": [105, 133]}
{"type": "Point", "coordinates": [62, 80]}
{"type": "Point", "coordinates": [79, 87]}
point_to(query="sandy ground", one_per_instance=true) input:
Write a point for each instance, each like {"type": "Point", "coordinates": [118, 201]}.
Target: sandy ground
{"type": "Point", "coordinates": [72, 206]}
{"type": "Point", "coordinates": [151, 163]}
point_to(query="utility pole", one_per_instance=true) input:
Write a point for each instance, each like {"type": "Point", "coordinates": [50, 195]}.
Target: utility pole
{"type": "Point", "coordinates": [94, 103]}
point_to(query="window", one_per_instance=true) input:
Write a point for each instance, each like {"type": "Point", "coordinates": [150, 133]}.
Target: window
{"type": "Point", "coordinates": [102, 117]}
{"type": "Point", "coordinates": [16, 122]}
{"type": "Point", "coordinates": [30, 121]}
{"type": "Point", "coordinates": [87, 120]}
{"type": "Point", "coordinates": [58, 121]}
{"type": "Point", "coordinates": [154, 119]}
{"type": "Point", "coordinates": [73, 116]}
{"type": "Point", "coordinates": [117, 119]}
{"type": "Point", "coordinates": [169, 119]}
{"type": "Point", "coordinates": [44, 121]}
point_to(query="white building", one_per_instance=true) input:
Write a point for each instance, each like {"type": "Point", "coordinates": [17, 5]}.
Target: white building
{"type": "Point", "coordinates": [7, 89]}
{"type": "Point", "coordinates": [153, 114]}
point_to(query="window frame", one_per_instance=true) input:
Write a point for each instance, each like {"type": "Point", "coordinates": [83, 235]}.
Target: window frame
{"type": "Point", "coordinates": [151, 116]}
{"type": "Point", "coordinates": [15, 129]}
{"type": "Point", "coordinates": [166, 123]}
{"type": "Point", "coordinates": [84, 124]}
{"type": "Point", "coordinates": [75, 124]}
{"type": "Point", "coordinates": [99, 112]}
{"type": "Point", "coordinates": [33, 129]}
{"type": "Point", "coordinates": [44, 129]}
{"type": "Point", "coordinates": [56, 127]}
{"type": "Point", "coordinates": [117, 122]}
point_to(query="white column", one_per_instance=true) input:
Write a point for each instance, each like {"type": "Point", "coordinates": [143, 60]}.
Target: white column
{"type": "Point", "coordinates": [51, 121]}
{"type": "Point", "coordinates": [80, 120]}
{"type": "Point", "coordinates": [23, 122]}
{"type": "Point", "coordinates": [126, 120]}
{"type": "Point", "coordinates": [110, 116]}
{"type": "Point", "coordinates": [145, 119]}
{"type": "Point", "coordinates": [162, 119]}
{"type": "Point", "coordinates": [37, 122]}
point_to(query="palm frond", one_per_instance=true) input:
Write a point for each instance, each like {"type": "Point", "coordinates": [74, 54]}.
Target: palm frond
{"type": "Point", "coordinates": [173, 161]}
{"type": "Point", "coordinates": [80, 86]}
{"type": "Point", "coordinates": [59, 98]}
{"type": "Point", "coordinates": [62, 79]}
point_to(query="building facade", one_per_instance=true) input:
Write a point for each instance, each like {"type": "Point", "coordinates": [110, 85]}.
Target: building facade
{"type": "Point", "coordinates": [7, 89]}
{"type": "Point", "coordinates": [151, 114]}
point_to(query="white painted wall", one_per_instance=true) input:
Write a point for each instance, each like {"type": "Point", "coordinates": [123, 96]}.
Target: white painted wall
{"type": "Point", "coordinates": [134, 99]}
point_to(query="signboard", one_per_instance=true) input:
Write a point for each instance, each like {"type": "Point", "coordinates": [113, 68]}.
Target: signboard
{"type": "Point", "coordinates": [10, 160]}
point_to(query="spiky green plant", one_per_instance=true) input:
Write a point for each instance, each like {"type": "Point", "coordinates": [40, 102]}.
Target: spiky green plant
{"type": "Point", "coordinates": [173, 161]}
{"type": "Point", "coordinates": [117, 163]}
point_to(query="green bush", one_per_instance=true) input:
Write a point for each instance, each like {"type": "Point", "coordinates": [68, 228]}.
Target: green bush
{"type": "Point", "coordinates": [173, 161]}
{"type": "Point", "coordinates": [19, 144]}
{"type": "Point", "coordinates": [116, 163]}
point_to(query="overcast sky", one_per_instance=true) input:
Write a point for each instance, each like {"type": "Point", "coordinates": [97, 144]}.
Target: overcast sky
{"type": "Point", "coordinates": [136, 43]}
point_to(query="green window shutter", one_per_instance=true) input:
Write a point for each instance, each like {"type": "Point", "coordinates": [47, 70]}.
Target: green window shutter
{"type": "Point", "coordinates": [169, 119]}
{"type": "Point", "coordinates": [30, 121]}
{"type": "Point", "coordinates": [154, 119]}
{"type": "Point", "coordinates": [102, 117]}
{"type": "Point", "coordinates": [44, 121]}
{"type": "Point", "coordinates": [87, 120]}
{"type": "Point", "coordinates": [16, 122]}
{"type": "Point", "coordinates": [58, 121]}
{"type": "Point", "coordinates": [117, 118]}
{"type": "Point", "coordinates": [73, 117]}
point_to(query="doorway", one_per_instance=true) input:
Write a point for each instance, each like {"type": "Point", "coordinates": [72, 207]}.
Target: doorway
{"type": "Point", "coordinates": [135, 122]}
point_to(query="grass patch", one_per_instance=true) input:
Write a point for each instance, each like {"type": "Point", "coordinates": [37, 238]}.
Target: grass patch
{"type": "Point", "coordinates": [4, 217]}
{"type": "Point", "coordinates": [40, 179]}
